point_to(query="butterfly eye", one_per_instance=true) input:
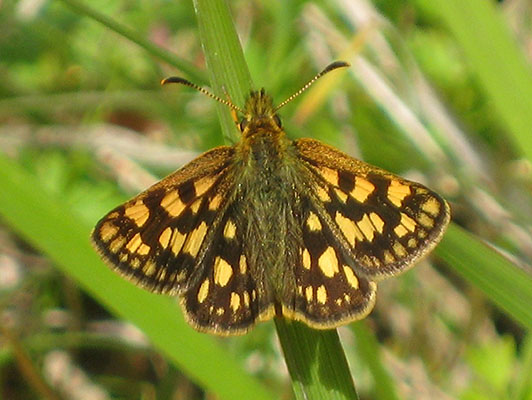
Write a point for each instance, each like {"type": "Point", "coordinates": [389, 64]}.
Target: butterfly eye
{"type": "Point", "coordinates": [243, 124]}
{"type": "Point", "coordinates": [277, 121]}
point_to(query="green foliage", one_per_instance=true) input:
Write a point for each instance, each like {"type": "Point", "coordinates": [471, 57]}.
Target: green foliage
{"type": "Point", "coordinates": [498, 370]}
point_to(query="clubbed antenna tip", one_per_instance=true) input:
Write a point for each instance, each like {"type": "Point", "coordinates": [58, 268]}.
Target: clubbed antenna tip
{"type": "Point", "coordinates": [334, 65]}
{"type": "Point", "coordinates": [183, 81]}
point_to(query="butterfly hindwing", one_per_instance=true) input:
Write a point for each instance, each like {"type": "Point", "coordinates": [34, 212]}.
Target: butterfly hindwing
{"type": "Point", "coordinates": [383, 222]}
{"type": "Point", "coordinates": [224, 296]}
{"type": "Point", "coordinates": [328, 290]}
{"type": "Point", "coordinates": [155, 238]}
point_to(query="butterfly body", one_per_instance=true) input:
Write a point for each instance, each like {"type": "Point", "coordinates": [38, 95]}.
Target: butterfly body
{"type": "Point", "coordinates": [271, 227]}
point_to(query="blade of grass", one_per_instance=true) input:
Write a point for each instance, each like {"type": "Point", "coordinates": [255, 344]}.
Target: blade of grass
{"type": "Point", "coordinates": [188, 68]}
{"type": "Point", "coordinates": [47, 224]}
{"type": "Point", "coordinates": [227, 69]}
{"type": "Point", "coordinates": [316, 350]}
{"type": "Point", "coordinates": [496, 60]}
{"type": "Point", "coordinates": [501, 281]}
{"type": "Point", "coordinates": [313, 375]}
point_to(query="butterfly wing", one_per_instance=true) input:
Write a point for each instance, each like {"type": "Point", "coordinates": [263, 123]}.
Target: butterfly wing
{"type": "Point", "coordinates": [178, 237]}
{"type": "Point", "coordinates": [156, 239]}
{"type": "Point", "coordinates": [358, 224]}
{"type": "Point", "coordinates": [383, 222]}
{"type": "Point", "coordinates": [225, 297]}
{"type": "Point", "coordinates": [327, 291]}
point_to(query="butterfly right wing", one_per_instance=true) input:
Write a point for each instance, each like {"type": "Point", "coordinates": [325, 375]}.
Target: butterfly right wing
{"type": "Point", "coordinates": [358, 224]}
{"type": "Point", "coordinates": [326, 290]}
{"type": "Point", "coordinates": [155, 238]}
{"type": "Point", "coordinates": [384, 223]}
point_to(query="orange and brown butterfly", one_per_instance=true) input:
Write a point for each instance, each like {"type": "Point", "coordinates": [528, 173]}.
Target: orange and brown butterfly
{"type": "Point", "coordinates": [271, 227]}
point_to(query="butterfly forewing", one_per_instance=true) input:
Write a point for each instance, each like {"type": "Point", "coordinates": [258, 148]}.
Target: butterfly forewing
{"type": "Point", "coordinates": [382, 222]}
{"type": "Point", "coordinates": [156, 238]}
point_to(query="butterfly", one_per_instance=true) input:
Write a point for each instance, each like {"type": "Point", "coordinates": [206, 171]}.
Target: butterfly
{"type": "Point", "coordinates": [271, 227]}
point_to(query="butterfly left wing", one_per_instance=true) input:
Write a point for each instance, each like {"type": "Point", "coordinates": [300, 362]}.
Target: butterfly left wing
{"type": "Point", "coordinates": [180, 237]}
{"type": "Point", "coordinates": [155, 239]}
{"type": "Point", "coordinates": [225, 296]}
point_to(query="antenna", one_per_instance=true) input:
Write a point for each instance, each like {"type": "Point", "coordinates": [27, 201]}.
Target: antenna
{"type": "Point", "coordinates": [328, 68]}
{"type": "Point", "coordinates": [183, 81]}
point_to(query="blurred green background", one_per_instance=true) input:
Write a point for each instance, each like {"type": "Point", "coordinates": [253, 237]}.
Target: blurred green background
{"type": "Point", "coordinates": [439, 92]}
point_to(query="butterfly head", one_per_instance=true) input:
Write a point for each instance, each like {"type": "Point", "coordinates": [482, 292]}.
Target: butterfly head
{"type": "Point", "coordinates": [259, 114]}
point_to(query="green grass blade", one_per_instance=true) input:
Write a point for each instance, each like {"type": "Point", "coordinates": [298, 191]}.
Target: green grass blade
{"type": "Point", "coordinates": [317, 351]}
{"type": "Point", "coordinates": [228, 70]}
{"type": "Point", "coordinates": [495, 59]}
{"type": "Point", "coordinates": [501, 281]}
{"type": "Point", "coordinates": [48, 225]}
